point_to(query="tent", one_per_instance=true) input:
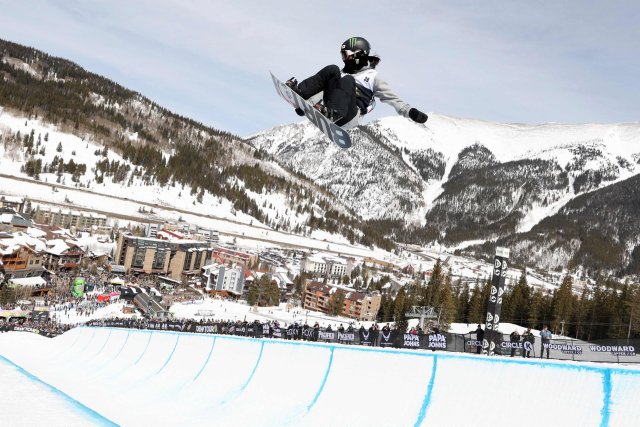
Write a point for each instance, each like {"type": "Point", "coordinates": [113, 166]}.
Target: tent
{"type": "Point", "coordinates": [28, 281]}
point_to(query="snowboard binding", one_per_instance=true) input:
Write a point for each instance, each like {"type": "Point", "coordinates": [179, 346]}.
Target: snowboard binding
{"type": "Point", "coordinates": [332, 115]}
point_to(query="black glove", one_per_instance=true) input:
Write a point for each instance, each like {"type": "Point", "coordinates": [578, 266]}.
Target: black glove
{"type": "Point", "coordinates": [417, 116]}
{"type": "Point", "coordinates": [299, 112]}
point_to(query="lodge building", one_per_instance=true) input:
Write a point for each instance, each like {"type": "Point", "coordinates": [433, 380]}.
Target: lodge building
{"type": "Point", "coordinates": [356, 305]}
{"type": "Point", "coordinates": [172, 259]}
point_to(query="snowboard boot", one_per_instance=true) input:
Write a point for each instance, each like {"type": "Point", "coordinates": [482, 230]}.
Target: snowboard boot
{"type": "Point", "coordinates": [332, 115]}
{"type": "Point", "coordinates": [293, 84]}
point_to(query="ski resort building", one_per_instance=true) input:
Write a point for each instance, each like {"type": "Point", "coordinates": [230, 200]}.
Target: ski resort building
{"type": "Point", "coordinates": [327, 265]}
{"type": "Point", "coordinates": [171, 258]}
{"type": "Point", "coordinates": [21, 257]}
{"type": "Point", "coordinates": [16, 203]}
{"type": "Point", "coordinates": [13, 221]}
{"type": "Point", "coordinates": [235, 257]}
{"type": "Point", "coordinates": [222, 280]}
{"type": "Point", "coordinates": [63, 255]}
{"type": "Point", "coordinates": [67, 218]}
{"type": "Point", "coordinates": [356, 305]}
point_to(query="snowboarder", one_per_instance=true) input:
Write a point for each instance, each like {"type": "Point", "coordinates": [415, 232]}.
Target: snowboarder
{"type": "Point", "coordinates": [349, 94]}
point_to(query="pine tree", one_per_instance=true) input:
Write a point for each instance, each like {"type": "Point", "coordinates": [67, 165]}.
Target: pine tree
{"type": "Point", "coordinates": [447, 305]}
{"type": "Point", "coordinates": [563, 301]}
{"type": "Point", "coordinates": [254, 294]}
{"type": "Point", "coordinates": [274, 295]}
{"type": "Point", "coordinates": [431, 294]}
{"type": "Point", "coordinates": [534, 308]}
{"type": "Point", "coordinates": [463, 305]}
{"type": "Point", "coordinates": [336, 303]}
{"type": "Point", "coordinates": [476, 313]}
{"type": "Point", "coordinates": [399, 311]}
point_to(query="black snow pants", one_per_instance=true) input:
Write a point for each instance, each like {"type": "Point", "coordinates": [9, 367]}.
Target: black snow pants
{"type": "Point", "coordinates": [339, 92]}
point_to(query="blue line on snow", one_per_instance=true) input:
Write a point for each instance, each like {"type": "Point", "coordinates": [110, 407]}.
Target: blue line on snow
{"type": "Point", "coordinates": [79, 333]}
{"type": "Point", "coordinates": [170, 356]}
{"type": "Point", "coordinates": [93, 415]}
{"type": "Point", "coordinates": [427, 397]}
{"type": "Point", "coordinates": [207, 361]}
{"type": "Point", "coordinates": [145, 349]}
{"type": "Point", "coordinates": [90, 339]}
{"type": "Point", "coordinates": [105, 344]}
{"type": "Point", "coordinates": [125, 343]}
{"type": "Point", "coordinates": [324, 381]}
{"type": "Point", "coordinates": [457, 356]}
{"type": "Point", "coordinates": [606, 406]}
{"type": "Point", "coordinates": [254, 369]}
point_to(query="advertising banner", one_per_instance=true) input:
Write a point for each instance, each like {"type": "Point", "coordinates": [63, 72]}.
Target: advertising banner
{"type": "Point", "coordinates": [387, 338]}
{"type": "Point", "coordinates": [78, 287]}
{"type": "Point", "coordinates": [494, 306]}
{"type": "Point", "coordinates": [410, 341]}
{"type": "Point", "coordinates": [40, 316]}
{"type": "Point", "coordinates": [307, 334]}
{"type": "Point", "coordinates": [293, 333]}
{"type": "Point", "coordinates": [205, 329]}
{"type": "Point", "coordinates": [366, 338]}
{"type": "Point", "coordinates": [436, 342]}
{"type": "Point", "coordinates": [326, 335]}
{"type": "Point", "coordinates": [13, 313]}
{"type": "Point", "coordinates": [347, 336]}
{"type": "Point", "coordinates": [32, 330]}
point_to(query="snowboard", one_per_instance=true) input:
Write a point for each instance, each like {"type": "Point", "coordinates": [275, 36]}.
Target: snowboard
{"type": "Point", "coordinates": [339, 136]}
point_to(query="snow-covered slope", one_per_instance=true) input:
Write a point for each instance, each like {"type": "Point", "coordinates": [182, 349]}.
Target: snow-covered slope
{"type": "Point", "coordinates": [63, 125]}
{"type": "Point", "coordinates": [232, 381]}
{"type": "Point", "coordinates": [400, 169]}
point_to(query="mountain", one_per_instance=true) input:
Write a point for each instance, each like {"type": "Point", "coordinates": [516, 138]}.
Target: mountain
{"type": "Point", "coordinates": [462, 181]}
{"type": "Point", "coordinates": [60, 123]}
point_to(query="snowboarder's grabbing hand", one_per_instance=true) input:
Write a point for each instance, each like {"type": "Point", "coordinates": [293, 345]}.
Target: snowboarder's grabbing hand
{"type": "Point", "coordinates": [346, 96]}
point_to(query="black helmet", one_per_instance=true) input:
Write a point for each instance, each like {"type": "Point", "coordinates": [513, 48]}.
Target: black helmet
{"type": "Point", "coordinates": [355, 48]}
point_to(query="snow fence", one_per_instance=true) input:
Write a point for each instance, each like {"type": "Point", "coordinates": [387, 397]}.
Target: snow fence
{"type": "Point", "coordinates": [134, 377]}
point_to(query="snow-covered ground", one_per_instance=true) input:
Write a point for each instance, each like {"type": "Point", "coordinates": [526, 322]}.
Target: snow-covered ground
{"type": "Point", "coordinates": [26, 401]}
{"type": "Point", "coordinates": [229, 310]}
{"type": "Point", "coordinates": [110, 311]}
{"type": "Point", "coordinates": [231, 381]}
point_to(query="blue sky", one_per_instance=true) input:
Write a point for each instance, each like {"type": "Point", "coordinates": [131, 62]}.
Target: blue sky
{"type": "Point", "coordinates": [525, 62]}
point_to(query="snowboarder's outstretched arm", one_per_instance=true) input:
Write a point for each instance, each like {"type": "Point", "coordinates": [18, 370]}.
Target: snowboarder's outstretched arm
{"type": "Point", "coordinates": [384, 93]}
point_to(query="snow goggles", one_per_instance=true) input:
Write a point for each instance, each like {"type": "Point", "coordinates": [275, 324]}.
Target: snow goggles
{"type": "Point", "coordinates": [348, 54]}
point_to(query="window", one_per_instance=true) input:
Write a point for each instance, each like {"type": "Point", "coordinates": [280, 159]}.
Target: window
{"type": "Point", "coordinates": [138, 257]}
{"type": "Point", "coordinates": [198, 260]}
{"type": "Point", "coordinates": [187, 261]}
{"type": "Point", "coordinates": [158, 260]}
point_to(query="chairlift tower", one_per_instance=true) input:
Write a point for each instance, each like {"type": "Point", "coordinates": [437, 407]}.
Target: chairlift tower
{"type": "Point", "coordinates": [422, 312]}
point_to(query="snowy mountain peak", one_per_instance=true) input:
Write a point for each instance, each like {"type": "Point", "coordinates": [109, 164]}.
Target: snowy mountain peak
{"type": "Point", "coordinates": [456, 179]}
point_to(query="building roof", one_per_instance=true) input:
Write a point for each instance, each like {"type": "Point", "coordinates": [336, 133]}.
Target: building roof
{"type": "Point", "coordinates": [118, 269]}
{"type": "Point", "coordinates": [59, 246]}
{"type": "Point", "coordinates": [12, 199]}
{"type": "Point", "coordinates": [225, 251]}
{"type": "Point", "coordinates": [9, 245]}
{"type": "Point", "coordinates": [331, 289]}
{"type": "Point", "coordinates": [323, 258]}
